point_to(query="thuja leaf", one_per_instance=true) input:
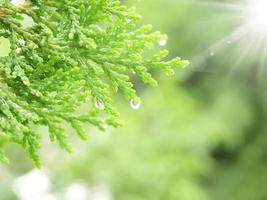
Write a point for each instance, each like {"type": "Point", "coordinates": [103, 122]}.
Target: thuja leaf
{"type": "Point", "coordinates": [72, 53]}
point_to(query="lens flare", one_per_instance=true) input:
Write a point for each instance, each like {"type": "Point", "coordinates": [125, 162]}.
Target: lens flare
{"type": "Point", "coordinates": [246, 41]}
{"type": "Point", "coordinates": [256, 16]}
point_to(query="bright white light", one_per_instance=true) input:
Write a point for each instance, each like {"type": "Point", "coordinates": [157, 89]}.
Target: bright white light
{"type": "Point", "coordinates": [77, 191]}
{"type": "Point", "coordinates": [256, 16]}
{"type": "Point", "coordinates": [80, 191]}
{"type": "Point", "coordinates": [31, 185]}
{"type": "Point", "coordinates": [100, 192]}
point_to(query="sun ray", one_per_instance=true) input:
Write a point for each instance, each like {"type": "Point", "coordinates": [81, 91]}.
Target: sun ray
{"type": "Point", "coordinates": [250, 36]}
{"type": "Point", "coordinates": [240, 54]}
{"type": "Point", "coordinates": [221, 5]}
{"type": "Point", "coordinates": [219, 46]}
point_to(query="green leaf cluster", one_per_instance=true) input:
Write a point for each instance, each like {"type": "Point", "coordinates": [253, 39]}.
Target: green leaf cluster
{"type": "Point", "coordinates": [73, 53]}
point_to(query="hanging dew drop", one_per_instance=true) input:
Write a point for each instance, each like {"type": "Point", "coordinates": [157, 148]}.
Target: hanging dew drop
{"type": "Point", "coordinates": [162, 42]}
{"type": "Point", "coordinates": [100, 105]}
{"type": "Point", "coordinates": [135, 104]}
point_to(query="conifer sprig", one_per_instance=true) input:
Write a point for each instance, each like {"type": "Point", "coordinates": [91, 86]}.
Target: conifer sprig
{"type": "Point", "coordinates": [74, 52]}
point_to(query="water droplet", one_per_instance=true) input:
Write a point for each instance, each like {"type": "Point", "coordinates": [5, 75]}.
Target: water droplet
{"type": "Point", "coordinates": [212, 53]}
{"type": "Point", "coordinates": [135, 104]}
{"type": "Point", "coordinates": [100, 105]}
{"type": "Point", "coordinates": [162, 42]}
{"type": "Point", "coordinates": [229, 42]}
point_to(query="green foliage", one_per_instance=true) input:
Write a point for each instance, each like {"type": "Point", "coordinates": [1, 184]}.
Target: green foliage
{"type": "Point", "coordinates": [171, 159]}
{"type": "Point", "coordinates": [199, 136]}
{"type": "Point", "coordinates": [75, 52]}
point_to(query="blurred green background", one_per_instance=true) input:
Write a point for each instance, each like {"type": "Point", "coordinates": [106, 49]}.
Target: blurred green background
{"type": "Point", "coordinates": [201, 135]}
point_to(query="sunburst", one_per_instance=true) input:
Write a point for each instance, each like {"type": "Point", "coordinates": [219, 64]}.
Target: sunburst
{"type": "Point", "coordinates": [250, 35]}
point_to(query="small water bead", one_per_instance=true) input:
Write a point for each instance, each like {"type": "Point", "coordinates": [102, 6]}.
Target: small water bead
{"type": "Point", "coordinates": [212, 53]}
{"type": "Point", "coordinates": [100, 105]}
{"type": "Point", "coordinates": [229, 42]}
{"type": "Point", "coordinates": [135, 104]}
{"type": "Point", "coordinates": [162, 42]}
